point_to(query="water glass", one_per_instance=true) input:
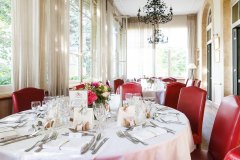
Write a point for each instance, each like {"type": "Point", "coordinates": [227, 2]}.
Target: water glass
{"type": "Point", "coordinates": [128, 97]}
{"type": "Point", "coordinates": [35, 105]}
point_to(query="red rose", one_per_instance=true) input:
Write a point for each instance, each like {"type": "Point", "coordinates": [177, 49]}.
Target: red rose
{"type": "Point", "coordinates": [92, 97]}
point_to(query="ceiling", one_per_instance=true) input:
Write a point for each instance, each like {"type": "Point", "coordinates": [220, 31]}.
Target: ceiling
{"type": "Point", "coordinates": [180, 7]}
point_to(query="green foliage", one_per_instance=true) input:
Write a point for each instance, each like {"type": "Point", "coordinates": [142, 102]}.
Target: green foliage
{"type": "Point", "coordinates": [5, 42]}
{"type": "Point", "coordinates": [177, 59]}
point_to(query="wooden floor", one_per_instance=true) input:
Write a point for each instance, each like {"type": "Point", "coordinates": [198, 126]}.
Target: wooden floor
{"type": "Point", "coordinates": [208, 120]}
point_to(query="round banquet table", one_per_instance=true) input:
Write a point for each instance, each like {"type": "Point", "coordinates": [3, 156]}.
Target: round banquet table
{"type": "Point", "coordinates": [166, 146]}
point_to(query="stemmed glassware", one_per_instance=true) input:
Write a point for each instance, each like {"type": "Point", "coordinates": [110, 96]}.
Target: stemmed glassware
{"type": "Point", "coordinates": [100, 115]}
{"type": "Point", "coordinates": [35, 105]}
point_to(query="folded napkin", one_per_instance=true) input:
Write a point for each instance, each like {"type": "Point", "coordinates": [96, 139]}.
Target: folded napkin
{"type": "Point", "coordinates": [67, 144]}
{"type": "Point", "coordinates": [148, 133]}
{"type": "Point", "coordinates": [12, 118]}
{"type": "Point", "coordinates": [7, 135]}
{"type": "Point", "coordinates": [6, 129]}
{"type": "Point", "coordinates": [169, 118]}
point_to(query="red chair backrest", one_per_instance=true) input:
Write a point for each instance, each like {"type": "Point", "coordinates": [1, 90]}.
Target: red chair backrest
{"type": "Point", "coordinates": [172, 94]}
{"type": "Point", "coordinates": [170, 79]}
{"type": "Point", "coordinates": [192, 103]}
{"type": "Point", "coordinates": [80, 86]}
{"type": "Point", "coordinates": [233, 154]}
{"type": "Point", "coordinates": [226, 128]}
{"type": "Point", "coordinates": [197, 83]}
{"type": "Point", "coordinates": [190, 82]}
{"type": "Point", "coordinates": [131, 87]}
{"type": "Point", "coordinates": [22, 98]}
{"type": "Point", "coordinates": [117, 83]}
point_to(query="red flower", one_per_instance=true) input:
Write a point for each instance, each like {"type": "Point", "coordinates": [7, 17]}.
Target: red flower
{"type": "Point", "coordinates": [92, 97]}
{"type": "Point", "coordinates": [95, 84]}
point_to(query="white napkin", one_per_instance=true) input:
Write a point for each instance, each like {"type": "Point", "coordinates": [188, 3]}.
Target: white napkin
{"type": "Point", "coordinates": [148, 133]}
{"type": "Point", "coordinates": [6, 129]}
{"type": "Point", "coordinates": [169, 118]}
{"type": "Point", "coordinates": [157, 131]}
{"type": "Point", "coordinates": [7, 135]}
{"type": "Point", "coordinates": [73, 144]}
{"type": "Point", "coordinates": [12, 118]}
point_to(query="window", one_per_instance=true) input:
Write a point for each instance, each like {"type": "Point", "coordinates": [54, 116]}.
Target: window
{"type": "Point", "coordinates": [86, 42]}
{"type": "Point", "coordinates": [80, 58]}
{"type": "Point", "coordinates": [74, 57]}
{"type": "Point", "coordinates": [5, 42]}
{"type": "Point", "coordinates": [170, 58]}
{"type": "Point", "coordinates": [209, 19]}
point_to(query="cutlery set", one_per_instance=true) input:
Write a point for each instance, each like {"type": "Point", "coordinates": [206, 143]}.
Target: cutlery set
{"type": "Point", "coordinates": [165, 128]}
{"type": "Point", "coordinates": [43, 141]}
{"type": "Point", "coordinates": [127, 135]}
{"type": "Point", "coordinates": [92, 144]}
{"type": "Point", "coordinates": [18, 138]}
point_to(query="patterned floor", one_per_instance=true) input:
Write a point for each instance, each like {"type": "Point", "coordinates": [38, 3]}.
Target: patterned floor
{"type": "Point", "coordinates": [208, 120]}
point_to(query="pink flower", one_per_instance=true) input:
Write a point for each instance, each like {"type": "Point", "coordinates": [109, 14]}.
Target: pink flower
{"type": "Point", "coordinates": [92, 97]}
{"type": "Point", "coordinates": [95, 84]}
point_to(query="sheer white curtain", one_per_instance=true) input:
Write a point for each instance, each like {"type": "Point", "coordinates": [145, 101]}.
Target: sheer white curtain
{"type": "Point", "coordinates": [103, 42]}
{"type": "Point", "coordinates": [191, 25]}
{"type": "Point", "coordinates": [25, 43]}
{"type": "Point", "coordinates": [55, 43]}
{"type": "Point", "coordinates": [139, 50]}
{"type": "Point", "coordinates": [40, 45]}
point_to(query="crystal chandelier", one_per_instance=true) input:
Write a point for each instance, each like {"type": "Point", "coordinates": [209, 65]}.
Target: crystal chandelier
{"type": "Point", "coordinates": [158, 37]}
{"type": "Point", "coordinates": [156, 13]}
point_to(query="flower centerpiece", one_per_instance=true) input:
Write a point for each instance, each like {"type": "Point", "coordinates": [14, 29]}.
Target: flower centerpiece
{"type": "Point", "coordinates": [98, 92]}
{"type": "Point", "coordinates": [150, 81]}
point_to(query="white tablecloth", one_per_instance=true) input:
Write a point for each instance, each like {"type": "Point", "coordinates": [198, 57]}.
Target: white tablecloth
{"type": "Point", "coordinates": [167, 146]}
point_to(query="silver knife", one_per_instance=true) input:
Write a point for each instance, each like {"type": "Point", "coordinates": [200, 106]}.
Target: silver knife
{"type": "Point", "coordinates": [17, 140]}
{"type": "Point", "coordinates": [86, 147]}
{"type": "Point", "coordinates": [100, 145]}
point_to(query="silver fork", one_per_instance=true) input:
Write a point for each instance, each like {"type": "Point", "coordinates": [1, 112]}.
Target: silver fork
{"type": "Point", "coordinates": [122, 135]}
{"type": "Point", "coordinates": [42, 140]}
{"type": "Point", "coordinates": [134, 138]}
{"type": "Point", "coordinates": [52, 137]}
{"type": "Point", "coordinates": [165, 128]}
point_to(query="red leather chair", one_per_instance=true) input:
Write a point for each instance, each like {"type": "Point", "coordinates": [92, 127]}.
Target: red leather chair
{"type": "Point", "coordinates": [22, 98]}
{"type": "Point", "coordinates": [80, 86]}
{"type": "Point", "coordinates": [117, 83]}
{"type": "Point", "coordinates": [131, 87]}
{"type": "Point", "coordinates": [172, 94]}
{"type": "Point", "coordinates": [197, 83]}
{"type": "Point", "coordinates": [169, 79]}
{"type": "Point", "coordinates": [233, 154]}
{"type": "Point", "coordinates": [192, 103]}
{"type": "Point", "coordinates": [190, 82]}
{"type": "Point", "coordinates": [225, 133]}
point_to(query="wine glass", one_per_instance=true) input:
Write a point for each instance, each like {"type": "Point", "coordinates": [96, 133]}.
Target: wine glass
{"type": "Point", "coordinates": [35, 105]}
{"type": "Point", "coordinates": [129, 97]}
{"type": "Point", "coordinates": [99, 112]}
